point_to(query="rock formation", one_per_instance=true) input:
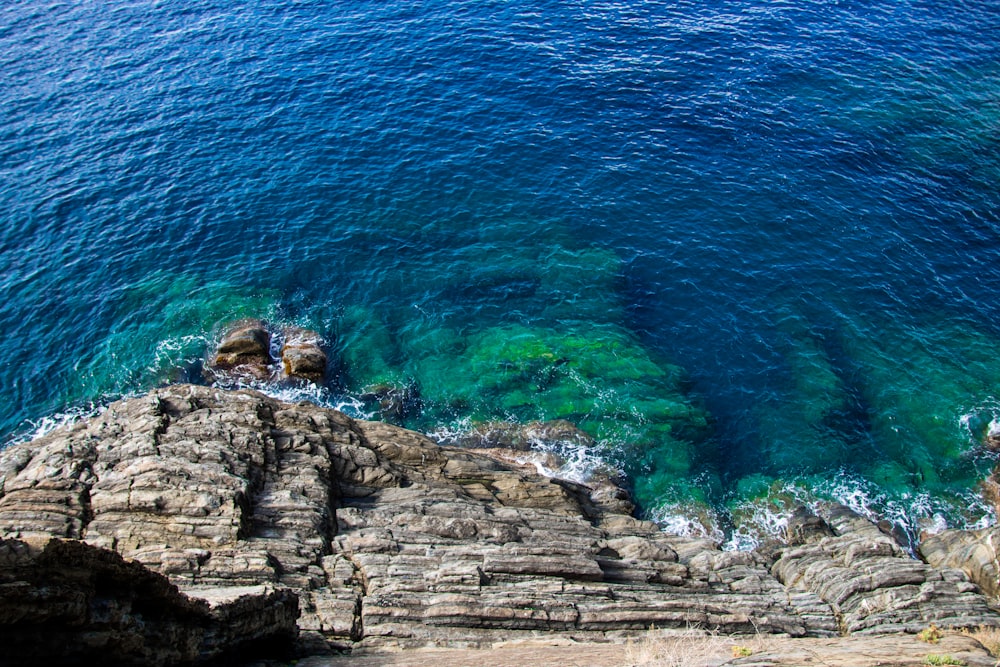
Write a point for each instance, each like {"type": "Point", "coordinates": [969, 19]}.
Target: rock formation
{"type": "Point", "coordinates": [972, 551]}
{"type": "Point", "coordinates": [244, 355]}
{"type": "Point", "coordinates": [66, 602]}
{"type": "Point", "coordinates": [388, 540]}
{"type": "Point", "coordinates": [302, 355]}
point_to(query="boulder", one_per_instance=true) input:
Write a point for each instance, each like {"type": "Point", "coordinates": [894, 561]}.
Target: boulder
{"type": "Point", "coordinates": [245, 351]}
{"type": "Point", "coordinates": [302, 355]}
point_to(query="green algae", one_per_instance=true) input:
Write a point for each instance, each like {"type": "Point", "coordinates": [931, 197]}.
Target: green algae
{"type": "Point", "coordinates": [598, 377]}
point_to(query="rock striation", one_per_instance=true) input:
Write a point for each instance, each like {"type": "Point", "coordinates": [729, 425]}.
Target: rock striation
{"type": "Point", "coordinates": [873, 586]}
{"type": "Point", "coordinates": [387, 540]}
{"type": "Point", "coordinates": [972, 551]}
{"type": "Point", "coordinates": [66, 602]}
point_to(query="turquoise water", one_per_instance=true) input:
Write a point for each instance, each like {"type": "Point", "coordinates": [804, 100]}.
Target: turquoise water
{"type": "Point", "coordinates": [749, 247]}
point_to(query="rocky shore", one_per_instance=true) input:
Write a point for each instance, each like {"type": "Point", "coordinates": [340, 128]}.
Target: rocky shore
{"type": "Point", "coordinates": [194, 521]}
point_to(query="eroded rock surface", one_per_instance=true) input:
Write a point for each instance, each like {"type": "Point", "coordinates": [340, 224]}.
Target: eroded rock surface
{"type": "Point", "coordinates": [302, 355]}
{"type": "Point", "coordinates": [66, 602]}
{"type": "Point", "coordinates": [873, 586]}
{"type": "Point", "coordinates": [388, 539]}
{"type": "Point", "coordinates": [244, 352]}
{"type": "Point", "coordinates": [972, 551]}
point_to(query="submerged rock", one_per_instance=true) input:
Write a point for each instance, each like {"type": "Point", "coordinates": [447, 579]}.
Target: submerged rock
{"type": "Point", "coordinates": [389, 540]}
{"type": "Point", "coordinates": [395, 402]}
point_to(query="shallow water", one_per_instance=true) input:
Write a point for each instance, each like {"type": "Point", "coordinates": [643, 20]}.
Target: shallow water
{"type": "Point", "coordinates": [747, 246]}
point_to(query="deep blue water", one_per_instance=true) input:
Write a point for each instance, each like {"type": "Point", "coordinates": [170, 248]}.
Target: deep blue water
{"type": "Point", "coordinates": [792, 207]}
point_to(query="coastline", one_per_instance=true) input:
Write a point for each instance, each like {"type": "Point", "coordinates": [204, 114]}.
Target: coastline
{"type": "Point", "coordinates": [391, 542]}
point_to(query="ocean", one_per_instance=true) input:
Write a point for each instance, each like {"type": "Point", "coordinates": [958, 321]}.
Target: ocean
{"type": "Point", "coordinates": [751, 248]}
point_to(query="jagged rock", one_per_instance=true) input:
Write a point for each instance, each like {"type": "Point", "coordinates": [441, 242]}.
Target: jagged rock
{"type": "Point", "coordinates": [992, 440]}
{"type": "Point", "coordinates": [391, 540]}
{"type": "Point", "coordinates": [66, 602]}
{"type": "Point", "coordinates": [245, 351]}
{"type": "Point", "coordinates": [972, 551]}
{"type": "Point", "coordinates": [874, 586]}
{"type": "Point", "coordinates": [991, 489]}
{"type": "Point", "coordinates": [521, 437]}
{"type": "Point", "coordinates": [804, 527]}
{"type": "Point", "coordinates": [302, 355]}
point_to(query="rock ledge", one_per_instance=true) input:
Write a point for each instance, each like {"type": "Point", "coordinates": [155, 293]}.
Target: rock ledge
{"type": "Point", "coordinates": [387, 540]}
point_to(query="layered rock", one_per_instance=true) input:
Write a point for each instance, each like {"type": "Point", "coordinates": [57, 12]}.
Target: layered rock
{"type": "Point", "coordinates": [388, 539]}
{"type": "Point", "coordinates": [972, 551]}
{"type": "Point", "coordinates": [873, 585]}
{"type": "Point", "coordinates": [66, 602]}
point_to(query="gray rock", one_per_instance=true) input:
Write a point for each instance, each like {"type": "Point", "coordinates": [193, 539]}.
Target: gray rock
{"type": "Point", "coordinates": [66, 602]}
{"type": "Point", "coordinates": [872, 584]}
{"type": "Point", "coordinates": [972, 551]}
{"type": "Point", "coordinates": [390, 540]}
{"type": "Point", "coordinates": [804, 527]}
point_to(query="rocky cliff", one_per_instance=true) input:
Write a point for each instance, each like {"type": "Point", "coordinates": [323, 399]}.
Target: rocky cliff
{"type": "Point", "coordinates": [384, 539]}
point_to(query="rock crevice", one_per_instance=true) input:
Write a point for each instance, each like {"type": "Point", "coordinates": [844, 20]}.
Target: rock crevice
{"type": "Point", "coordinates": [385, 539]}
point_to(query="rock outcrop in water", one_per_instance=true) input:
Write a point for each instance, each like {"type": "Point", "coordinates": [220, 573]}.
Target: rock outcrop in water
{"type": "Point", "coordinates": [389, 540]}
{"type": "Point", "coordinates": [244, 355]}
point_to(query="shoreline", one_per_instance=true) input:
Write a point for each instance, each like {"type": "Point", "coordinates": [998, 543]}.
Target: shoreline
{"type": "Point", "coordinates": [388, 541]}
{"type": "Point", "coordinates": [762, 519]}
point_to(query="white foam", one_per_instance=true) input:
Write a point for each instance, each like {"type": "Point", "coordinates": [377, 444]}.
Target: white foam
{"type": "Point", "coordinates": [579, 460]}
{"type": "Point", "coordinates": [33, 429]}
{"type": "Point", "coordinates": [682, 519]}
{"type": "Point", "coordinates": [451, 434]}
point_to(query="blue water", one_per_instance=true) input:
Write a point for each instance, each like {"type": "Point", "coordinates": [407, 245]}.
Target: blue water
{"type": "Point", "coordinates": [790, 209]}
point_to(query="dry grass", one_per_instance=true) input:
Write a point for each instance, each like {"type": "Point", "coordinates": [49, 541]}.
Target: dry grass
{"type": "Point", "coordinates": [692, 647]}
{"type": "Point", "coordinates": [989, 637]}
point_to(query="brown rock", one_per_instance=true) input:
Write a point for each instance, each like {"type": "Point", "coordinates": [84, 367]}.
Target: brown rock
{"type": "Point", "coordinates": [302, 355]}
{"type": "Point", "coordinates": [245, 350]}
